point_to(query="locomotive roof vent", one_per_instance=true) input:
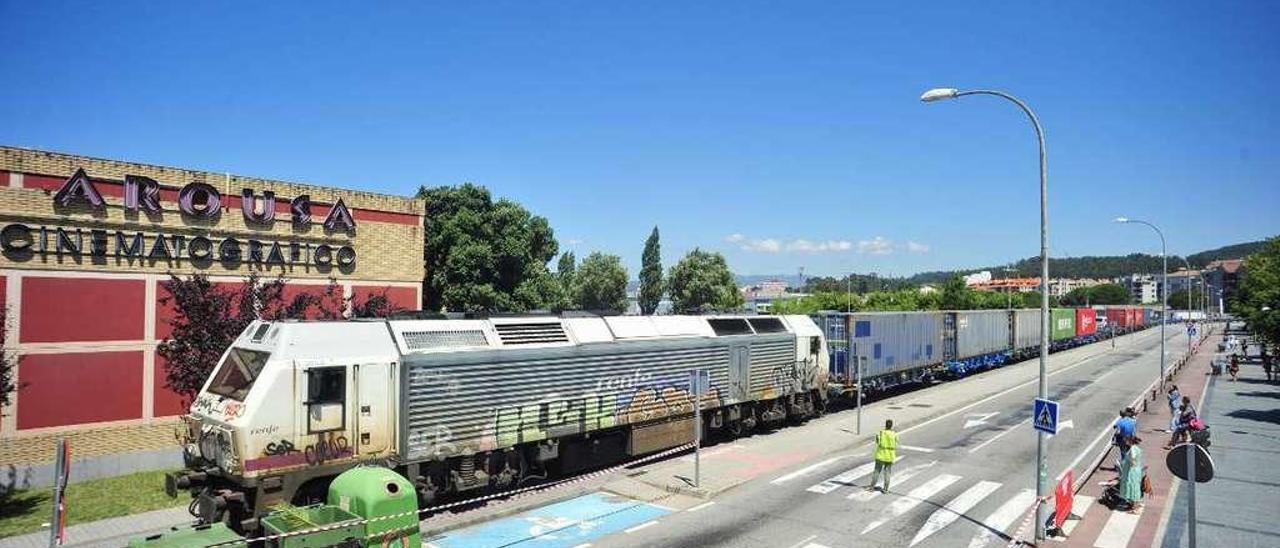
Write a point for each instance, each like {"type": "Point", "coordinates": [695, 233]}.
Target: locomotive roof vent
{"type": "Point", "coordinates": [531, 333]}
{"type": "Point", "coordinates": [435, 340]}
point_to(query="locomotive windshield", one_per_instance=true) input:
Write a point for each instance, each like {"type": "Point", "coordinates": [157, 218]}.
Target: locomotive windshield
{"type": "Point", "coordinates": [237, 373]}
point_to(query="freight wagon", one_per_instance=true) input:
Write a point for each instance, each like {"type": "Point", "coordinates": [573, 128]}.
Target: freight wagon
{"type": "Point", "coordinates": [897, 348]}
{"type": "Point", "coordinates": [481, 405]}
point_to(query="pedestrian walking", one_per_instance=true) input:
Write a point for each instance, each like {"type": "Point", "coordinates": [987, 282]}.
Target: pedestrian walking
{"type": "Point", "coordinates": [1175, 397]}
{"type": "Point", "coordinates": [1131, 473]}
{"type": "Point", "coordinates": [886, 453]}
{"type": "Point", "coordinates": [1234, 368]}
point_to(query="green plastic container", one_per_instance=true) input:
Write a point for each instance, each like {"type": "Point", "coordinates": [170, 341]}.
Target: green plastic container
{"type": "Point", "coordinates": [347, 531]}
{"type": "Point", "coordinates": [181, 537]}
{"type": "Point", "coordinates": [374, 492]}
{"type": "Point", "coordinates": [1062, 323]}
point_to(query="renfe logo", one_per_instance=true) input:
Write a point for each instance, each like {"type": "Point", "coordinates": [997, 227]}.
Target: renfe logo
{"type": "Point", "coordinates": [200, 200]}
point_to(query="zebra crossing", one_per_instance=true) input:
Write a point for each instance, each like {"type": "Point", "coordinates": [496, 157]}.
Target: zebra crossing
{"type": "Point", "coordinates": [922, 482]}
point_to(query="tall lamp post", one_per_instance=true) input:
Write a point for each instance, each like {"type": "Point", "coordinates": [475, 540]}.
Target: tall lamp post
{"type": "Point", "coordinates": [1042, 445]}
{"type": "Point", "coordinates": [1164, 287]}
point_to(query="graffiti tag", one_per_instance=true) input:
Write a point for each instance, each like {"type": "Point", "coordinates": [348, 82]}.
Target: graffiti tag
{"type": "Point", "coordinates": [282, 447]}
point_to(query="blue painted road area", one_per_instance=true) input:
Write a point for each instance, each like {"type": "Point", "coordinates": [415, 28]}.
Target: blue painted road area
{"type": "Point", "coordinates": [566, 524]}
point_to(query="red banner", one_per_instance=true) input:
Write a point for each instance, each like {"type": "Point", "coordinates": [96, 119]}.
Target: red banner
{"type": "Point", "coordinates": [1062, 497]}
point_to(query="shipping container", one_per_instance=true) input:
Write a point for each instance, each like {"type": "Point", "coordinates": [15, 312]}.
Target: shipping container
{"type": "Point", "coordinates": [1026, 327]}
{"type": "Point", "coordinates": [1117, 318]}
{"type": "Point", "coordinates": [894, 342]}
{"type": "Point", "coordinates": [1062, 324]}
{"type": "Point", "coordinates": [1086, 322]}
{"type": "Point", "coordinates": [1136, 317]}
{"type": "Point", "coordinates": [980, 332]}
{"type": "Point", "coordinates": [1152, 317]}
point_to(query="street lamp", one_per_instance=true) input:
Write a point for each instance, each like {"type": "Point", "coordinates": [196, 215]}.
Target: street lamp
{"type": "Point", "coordinates": [1164, 286]}
{"type": "Point", "coordinates": [1042, 445]}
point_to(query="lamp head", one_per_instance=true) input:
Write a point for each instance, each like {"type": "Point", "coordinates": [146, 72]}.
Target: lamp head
{"type": "Point", "coordinates": [1122, 219]}
{"type": "Point", "coordinates": [938, 94]}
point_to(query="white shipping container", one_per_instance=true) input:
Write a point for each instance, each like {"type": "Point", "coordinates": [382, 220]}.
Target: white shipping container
{"type": "Point", "coordinates": [1027, 328]}
{"type": "Point", "coordinates": [894, 342]}
{"type": "Point", "coordinates": [981, 332]}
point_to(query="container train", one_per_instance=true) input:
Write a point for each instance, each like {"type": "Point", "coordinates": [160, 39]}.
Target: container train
{"type": "Point", "coordinates": [898, 348]}
{"type": "Point", "coordinates": [462, 407]}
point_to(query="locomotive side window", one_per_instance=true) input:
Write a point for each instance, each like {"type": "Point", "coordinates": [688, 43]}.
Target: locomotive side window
{"type": "Point", "coordinates": [326, 399]}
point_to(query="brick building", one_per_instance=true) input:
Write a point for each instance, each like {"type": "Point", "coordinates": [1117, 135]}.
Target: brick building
{"type": "Point", "coordinates": [85, 244]}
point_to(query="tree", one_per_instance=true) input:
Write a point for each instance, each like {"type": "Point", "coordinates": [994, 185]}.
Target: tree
{"type": "Point", "coordinates": [565, 279]}
{"type": "Point", "coordinates": [483, 255]}
{"type": "Point", "coordinates": [1097, 294]}
{"type": "Point", "coordinates": [651, 288]}
{"type": "Point", "coordinates": [8, 361]}
{"type": "Point", "coordinates": [701, 282]}
{"type": "Point", "coordinates": [955, 295]}
{"type": "Point", "coordinates": [1178, 299]}
{"type": "Point", "coordinates": [1258, 297]}
{"type": "Point", "coordinates": [601, 283]}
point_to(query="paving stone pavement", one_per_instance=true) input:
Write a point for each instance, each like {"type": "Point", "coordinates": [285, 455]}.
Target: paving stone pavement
{"type": "Point", "coordinates": [1239, 507]}
{"type": "Point", "coordinates": [107, 532]}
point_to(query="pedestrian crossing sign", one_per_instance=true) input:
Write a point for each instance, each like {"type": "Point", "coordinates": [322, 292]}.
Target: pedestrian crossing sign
{"type": "Point", "coordinates": [1045, 416]}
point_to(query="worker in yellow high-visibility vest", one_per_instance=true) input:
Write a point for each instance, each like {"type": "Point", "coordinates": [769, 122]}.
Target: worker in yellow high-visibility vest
{"type": "Point", "coordinates": [886, 453]}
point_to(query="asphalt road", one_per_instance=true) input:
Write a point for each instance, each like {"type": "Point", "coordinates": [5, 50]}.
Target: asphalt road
{"type": "Point", "coordinates": [963, 478]}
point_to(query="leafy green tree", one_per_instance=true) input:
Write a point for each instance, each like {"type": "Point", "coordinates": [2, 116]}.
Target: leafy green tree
{"type": "Point", "coordinates": [1258, 297]}
{"type": "Point", "coordinates": [651, 287]}
{"type": "Point", "coordinates": [1178, 299]}
{"type": "Point", "coordinates": [601, 283]}
{"type": "Point", "coordinates": [1097, 294]}
{"type": "Point", "coordinates": [701, 282]}
{"type": "Point", "coordinates": [484, 255]}
{"type": "Point", "coordinates": [955, 295]}
{"type": "Point", "coordinates": [565, 275]}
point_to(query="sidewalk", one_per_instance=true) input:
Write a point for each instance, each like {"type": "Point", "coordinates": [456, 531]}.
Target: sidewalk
{"type": "Point", "coordinates": [1239, 507]}
{"type": "Point", "coordinates": [1099, 526]}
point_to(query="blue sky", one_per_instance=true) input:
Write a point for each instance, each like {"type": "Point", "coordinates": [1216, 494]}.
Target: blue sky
{"type": "Point", "coordinates": [784, 134]}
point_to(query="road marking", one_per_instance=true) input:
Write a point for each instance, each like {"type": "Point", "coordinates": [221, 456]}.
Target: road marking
{"type": "Point", "coordinates": [641, 526]}
{"type": "Point", "coordinates": [997, 436]}
{"type": "Point", "coordinates": [1079, 505]}
{"type": "Point", "coordinates": [583, 545]}
{"type": "Point", "coordinates": [805, 470]}
{"type": "Point", "coordinates": [863, 495]}
{"type": "Point", "coordinates": [701, 506]}
{"type": "Point", "coordinates": [844, 479]}
{"type": "Point", "coordinates": [952, 511]}
{"type": "Point", "coordinates": [981, 420]}
{"type": "Point", "coordinates": [912, 499]}
{"type": "Point", "coordinates": [815, 545]}
{"type": "Point", "coordinates": [807, 539]}
{"type": "Point", "coordinates": [1118, 530]}
{"type": "Point", "coordinates": [1001, 393]}
{"type": "Point", "coordinates": [1003, 517]}
{"type": "Point", "coordinates": [917, 449]}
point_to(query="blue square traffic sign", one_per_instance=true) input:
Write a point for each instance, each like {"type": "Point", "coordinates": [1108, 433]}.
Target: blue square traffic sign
{"type": "Point", "coordinates": [1045, 416]}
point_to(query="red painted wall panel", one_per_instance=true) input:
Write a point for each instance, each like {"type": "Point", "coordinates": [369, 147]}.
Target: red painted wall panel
{"type": "Point", "coordinates": [405, 298]}
{"type": "Point", "coordinates": [82, 309]}
{"type": "Point", "coordinates": [167, 402]}
{"type": "Point", "coordinates": [1086, 321]}
{"type": "Point", "coordinates": [66, 389]}
{"type": "Point", "coordinates": [4, 178]}
{"type": "Point", "coordinates": [165, 311]}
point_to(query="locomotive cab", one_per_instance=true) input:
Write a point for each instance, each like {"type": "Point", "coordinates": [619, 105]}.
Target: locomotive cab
{"type": "Point", "coordinates": [285, 410]}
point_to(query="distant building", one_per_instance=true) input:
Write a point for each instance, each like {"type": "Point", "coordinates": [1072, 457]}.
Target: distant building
{"type": "Point", "coordinates": [1061, 286]}
{"type": "Point", "coordinates": [1223, 278]}
{"type": "Point", "coordinates": [1008, 285]}
{"type": "Point", "coordinates": [1143, 288]}
{"type": "Point", "coordinates": [1183, 280]}
{"type": "Point", "coordinates": [927, 289]}
{"type": "Point", "coordinates": [978, 278]}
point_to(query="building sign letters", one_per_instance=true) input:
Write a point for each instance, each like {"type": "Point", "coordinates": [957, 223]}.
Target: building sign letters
{"type": "Point", "coordinates": [196, 200]}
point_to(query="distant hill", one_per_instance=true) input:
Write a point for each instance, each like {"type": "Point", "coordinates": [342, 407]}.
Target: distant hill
{"type": "Point", "coordinates": [1067, 267]}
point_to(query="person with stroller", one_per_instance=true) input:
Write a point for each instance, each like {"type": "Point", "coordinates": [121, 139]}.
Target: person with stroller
{"type": "Point", "coordinates": [1186, 416]}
